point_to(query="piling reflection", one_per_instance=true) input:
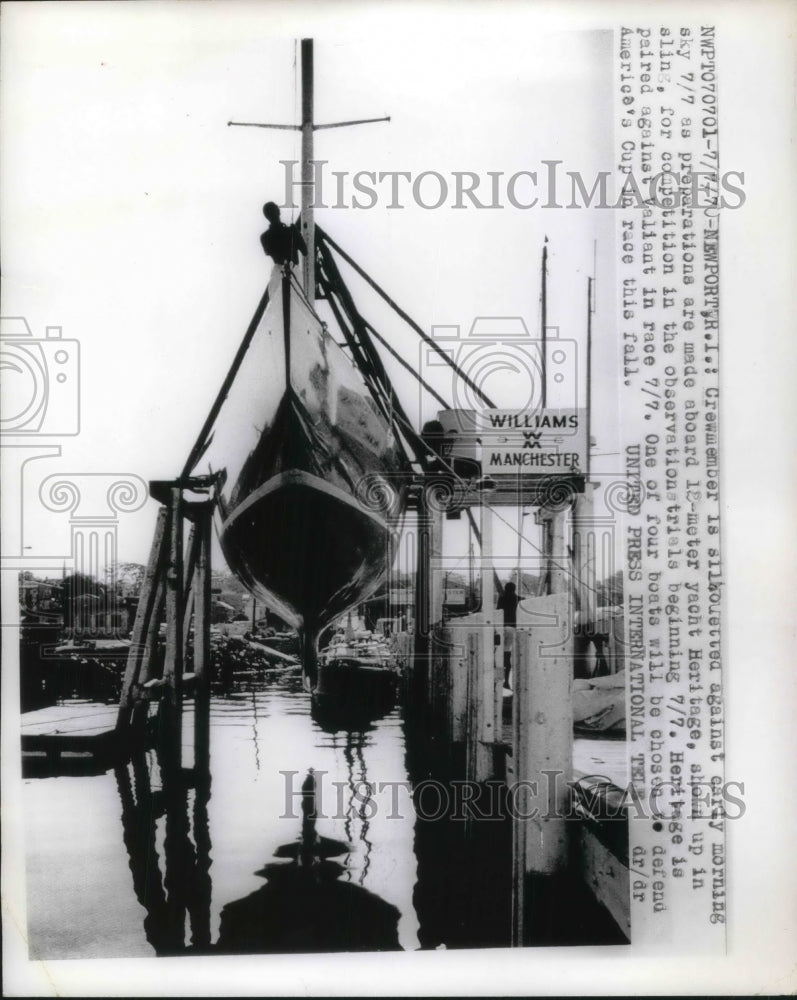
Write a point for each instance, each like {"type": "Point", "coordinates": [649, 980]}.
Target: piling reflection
{"type": "Point", "coordinates": [179, 885]}
{"type": "Point", "coordinates": [463, 889]}
{"type": "Point", "coordinates": [304, 906]}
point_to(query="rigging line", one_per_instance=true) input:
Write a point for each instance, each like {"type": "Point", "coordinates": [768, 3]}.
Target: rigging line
{"type": "Point", "coordinates": [379, 379]}
{"type": "Point", "coordinates": [357, 348]}
{"type": "Point", "coordinates": [354, 346]}
{"type": "Point", "coordinates": [284, 128]}
{"type": "Point", "coordinates": [554, 563]}
{"type": "Point", "coordinates": [356, 121]}
{"type": "Point", "coordinates": [405, 364]}
{"type": "Point", "coordinates": [565, 568]}
{"type": "Point", "coordinates": [202, 441]}
{"type": "Point", "coordinates": [376, 367]}
{"type": "Point", "coordinates": [407, 319]}
{"type": "Point", "coordinates": [478, 534]}
{"type": "Point", "coordinates": [387, 409]}
{"type": "Point", "coordinates": [394, 415]}
{"type": "Point", "coordinates": [337, 307]}
{"type": "Point", "coordinates": [375, 372]}
{"type": "Point", "coordinates": [341, 289]}
{"type": "Point", "coordinates": [396, 410]}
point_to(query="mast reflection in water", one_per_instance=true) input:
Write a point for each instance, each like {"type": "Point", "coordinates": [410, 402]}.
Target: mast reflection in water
{"type": "Point", "coordinates": [290, 844]}
{"type": "Point", "coordinates": [279, 849]}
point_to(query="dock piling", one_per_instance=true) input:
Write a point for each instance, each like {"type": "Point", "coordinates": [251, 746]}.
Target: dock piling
{"type": "Point", "coordinates": [542, 750]}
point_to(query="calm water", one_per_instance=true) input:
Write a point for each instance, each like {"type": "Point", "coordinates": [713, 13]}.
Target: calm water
{"type": "Point", "coordinates": [117, 867]}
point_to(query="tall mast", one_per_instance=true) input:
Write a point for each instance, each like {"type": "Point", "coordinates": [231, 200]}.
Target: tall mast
{"type": "Point", "coordinates": [308, 191]}
{"type": "Point", "coordinates": [544, 324]}
{"type": "Point", "coordinates": [589, 374]}
{"type": "Point", "coordinates": [307, 128]}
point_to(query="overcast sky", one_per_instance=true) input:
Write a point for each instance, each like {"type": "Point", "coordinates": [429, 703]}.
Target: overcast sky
{"type": "Point", "coordinates": [131, 211]}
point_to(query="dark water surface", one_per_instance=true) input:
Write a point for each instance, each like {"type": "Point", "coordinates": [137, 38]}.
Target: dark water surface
{"type": "Point", "coordinates": [119, 865]}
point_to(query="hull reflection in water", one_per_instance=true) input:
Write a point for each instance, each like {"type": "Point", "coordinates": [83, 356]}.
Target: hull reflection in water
{"type": "Point", "coordinates": [310, 504]}
{"type": "Point", "coordinates": [303, 907]}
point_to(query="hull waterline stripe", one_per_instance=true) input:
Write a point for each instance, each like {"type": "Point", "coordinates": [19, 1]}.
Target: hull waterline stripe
{"type": "Point", "coordinates": [306, 479]}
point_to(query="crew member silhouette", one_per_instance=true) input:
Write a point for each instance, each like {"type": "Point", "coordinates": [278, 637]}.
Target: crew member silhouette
{"type": "Point", "coordinates": [508, 602]}
{"type": "Point", "coordinates": [280, 242]}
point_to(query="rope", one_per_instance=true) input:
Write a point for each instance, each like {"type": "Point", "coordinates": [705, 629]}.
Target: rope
{"type": "Point", "coordinates": [407, 319]}
{"type": "Point", "coordinates": [203, 440]}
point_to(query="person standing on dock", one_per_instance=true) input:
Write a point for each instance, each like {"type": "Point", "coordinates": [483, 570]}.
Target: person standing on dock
{"type": "Point", "coordinates": [508, 602]}
{"type": "Point", "coordinates": [280, 242]}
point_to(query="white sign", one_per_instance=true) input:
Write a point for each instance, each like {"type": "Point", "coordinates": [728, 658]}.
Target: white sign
{"type": "Point", "coordinates": [539, 442]}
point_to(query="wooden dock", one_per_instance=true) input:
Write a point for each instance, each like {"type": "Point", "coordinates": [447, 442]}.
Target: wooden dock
{"type": "Point", "coordinates": [72, 728]}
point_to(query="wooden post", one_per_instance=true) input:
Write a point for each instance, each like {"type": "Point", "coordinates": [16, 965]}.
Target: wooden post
{"type": "Point", "coordinates": [488, 585]}
{"type": "Point", "coordinates": [188, 584]}
{"type": "Point", "coordinates": [556, 576]}
{"type": "Point", "coordinates": [458, 696]}
{"type": "Point", "coordinates": [428, 596]}
{"type": "Point", "coordinates": [584, 543]}
{"type": "Point", "coordinates": [171, 703]}
{"type": "Point", "coordinates": [437, 594]}
{"type": "Point", "coordinates": [472, 650]}
{"type": "Point", "coordinates": [202, 601]}
{"type": "Point", "coordinates": [485, 708]}
{"type": "Point", "coordinates": [485, 730]}
{"type": "Point", "coordinates": [542, 749]}
{"type": "Point", "coordinates": [585, 540]}
{"type": "Point", "coordinates": [148, 604]}
{"type": "Point", "coordinates": [560, 559]}
{"type": "Point", "coordinates": [153, 633]}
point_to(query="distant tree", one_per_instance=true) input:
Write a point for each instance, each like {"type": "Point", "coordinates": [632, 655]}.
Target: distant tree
{"type": "Point", "coordinates": [127, 576]}
{"type": "Point", "coordinates": [75, 589]}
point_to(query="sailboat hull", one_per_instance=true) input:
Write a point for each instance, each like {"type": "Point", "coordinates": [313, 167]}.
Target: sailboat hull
{"type": "Point", "coordinates": [307, 547]}
{"type": "Point", "coordinates": [311, 498]}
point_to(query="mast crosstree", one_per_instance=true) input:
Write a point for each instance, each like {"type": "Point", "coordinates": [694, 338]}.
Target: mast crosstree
{"type": "Point", "coordinates": [308, 128]}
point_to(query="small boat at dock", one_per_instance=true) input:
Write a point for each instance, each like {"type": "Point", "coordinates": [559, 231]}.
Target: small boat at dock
{"type": "Point", "coordinates": [359, 667]}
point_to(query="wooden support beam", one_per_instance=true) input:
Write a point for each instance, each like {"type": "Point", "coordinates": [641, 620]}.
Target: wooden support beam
{"type": "Point", "coordinates": [428, 584]}
{"type": "Point", "coordinates": [202, 591]}
{"type": "Point", "coordinates": [584, 550]}
{"type": "Point", "coordinates": [472, 651]}
{"type": "Point", "coordinates": [556, 575]}
{"type": "Point", "coordinates": [150, 658]}
{"type": "Point", "coordinates": [188, 583]}
{"type": "Point", "coordinates": [458, 692]}
{"type": "Point", "coordinates": [147, 609]}
{"type": "Point", "coordinates": [485, 673]}
{"type": "Point", "coordinates": [542, 748]}
{"type": "Point", "coordinates": [171, 704]}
